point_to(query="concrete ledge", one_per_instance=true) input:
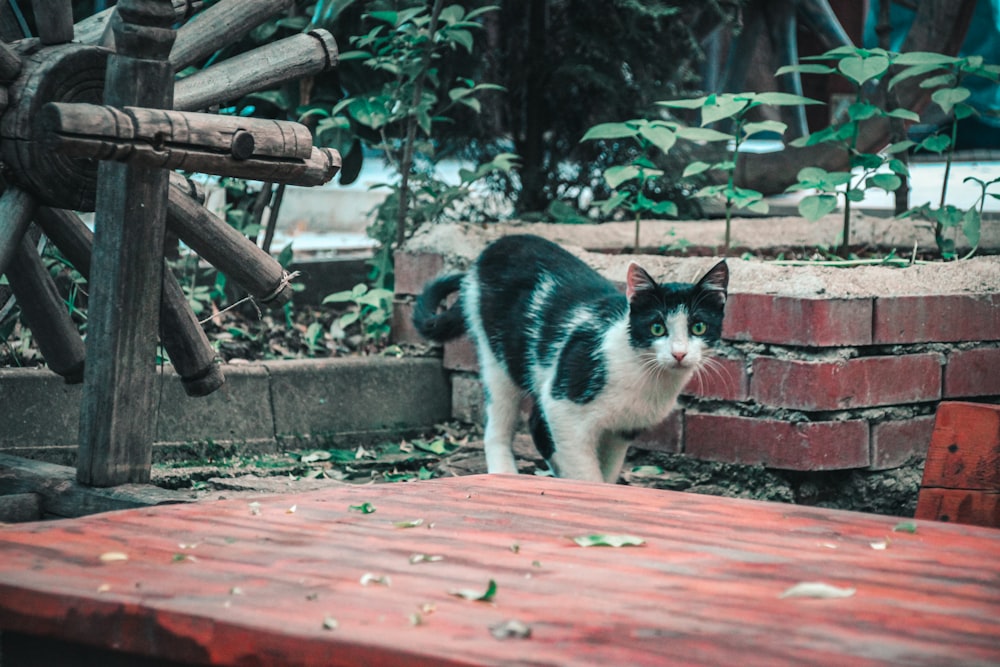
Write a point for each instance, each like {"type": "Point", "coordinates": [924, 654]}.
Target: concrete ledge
{"type": "Point", "coordinates": [262, 407]}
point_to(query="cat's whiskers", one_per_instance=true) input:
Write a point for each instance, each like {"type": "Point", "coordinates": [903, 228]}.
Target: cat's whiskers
{"type": "Point", "coordinates": [711, 366]}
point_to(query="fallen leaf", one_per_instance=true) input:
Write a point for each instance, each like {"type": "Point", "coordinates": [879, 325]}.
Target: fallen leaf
{"type": "Point", "coordinates": [416, 619]}
{"type": "Point", "coordinates": [104, 588]}
{"type": "Point", "coordinates": [113, 557]}
{"type": "Point", "coordinates": [364, 508]}
{"type": "Point", "coordinates": [881, 545]}
{"type": "Point", "coordinates": [516, 548]}
{"type": "Point", "coordinates": [254, 508]}
{"type": "Point", "coordinates": [291, 510]}
{"type": "Point", "coordinates": [511, 629]}
{"type": "Point", "coordinates": [313, 457]}
{"type": "Point", "coordinates": [409, 524]}
{"type": "Point", "coordinates": [330, 623]}
{"type": "Point", "coordinates": [475, 595]}
{"type": "Point", "coordinates": [817, 589]}
{"type": "Point", "coordinates": [609, 541]}
{"type": "Point", "coordinates": [424, 558]}
{"type": "Point", "coordinates": [381, 579]}
{"type": "Point", "coordinates": [905, 527]}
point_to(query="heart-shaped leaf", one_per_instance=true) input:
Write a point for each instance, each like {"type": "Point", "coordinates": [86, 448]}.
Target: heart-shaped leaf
{"type": "Point", "coordinates": [859, 69]}
{"type": "Point", "coordinates": [814, 207]}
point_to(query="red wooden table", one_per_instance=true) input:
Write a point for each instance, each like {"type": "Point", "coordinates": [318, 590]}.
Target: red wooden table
{"type": "Point", "coordinates": [280, 583]}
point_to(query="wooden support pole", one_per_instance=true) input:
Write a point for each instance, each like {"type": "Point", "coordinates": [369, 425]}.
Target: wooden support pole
{"type": "Point", "coordinates": [117, 424]}
{"type": "Point", "coordinates": [264, 67]}
{"type": "Point", "coordinates": [45, 313]}
{"type": "Point", "coordinates": [182, 336]}
{"type": "Point", "coordinates": [16, 209]}
{"type": "Point", "coordinates": [54, 20]}
{"type": "Point", "coordinates": [225, 248]}
{"type": "Point", "coordinates": [222, 23]}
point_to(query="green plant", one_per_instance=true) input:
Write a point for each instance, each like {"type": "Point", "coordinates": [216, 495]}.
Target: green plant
{"type": "Point", "coordinates": [733, 107]}
{"type": "Point", "coordinates": [858, 66]}
{"type": "Point", "coordinates": [399, 115]}
{"type": "Point", "coordinates": [950, 96]}
{"type": "Point", "coordinates": [369, 308]}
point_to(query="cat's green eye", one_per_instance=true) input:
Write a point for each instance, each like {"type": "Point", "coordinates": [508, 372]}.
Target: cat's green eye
{"type": "Point", "coordinates": [699, 328]}
{"type": "Point", "coordinates": [657, 329]}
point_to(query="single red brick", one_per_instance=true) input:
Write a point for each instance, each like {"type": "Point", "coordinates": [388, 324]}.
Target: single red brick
{"type": "Point", "coordinates": [785, 320]}
{"type": "Point", "coordinates": [831, 445]}
{"type": "Point", "coordinates": [667, 436]}
{"type": "Point", "coordinates": [938, 318]}
{"type": "Point", "coordinates": [895, 442]}
{"type": "Point", "coordinates": [849, 383]}
{"type": "Point", "coordinates": [414, 270]}
{"type": "Point", "coordinates": [460, 355]}
{"type": "Point", "coordinates": [973, 373]}
{"type": "Point", "coordinates": [723, 378]}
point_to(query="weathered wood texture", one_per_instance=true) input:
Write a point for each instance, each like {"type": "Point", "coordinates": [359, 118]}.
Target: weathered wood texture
{"type": "Point", "coordinates": [253, 148]}
{"type": "Point", "coordinates": [224, 22]}
{"type": "Point", "coordinates": [225, 248]}
{"type": "Point", "coordinates": [16, 209]}
{"type": "Point", "coordinates": [97, 28]}
{"type": "Point", "coordinates": [264, 67]}
{"type": "Point", "coordinates": [182, 336]}
{"type": "Point", "coordinates": [962, 473]}
{"type": "Point", "coordinates": [45, 313]}
{"type": "Point", "coordinates": [10, 63]}
{"type": "Point", "coordinates": [217, 583]}
{"type": "Point", "coordinates": [116, 432]}
{"type": "Point", "coordinates": [54, 20]}
{"type": "Point", "coordinates": [60, 496]}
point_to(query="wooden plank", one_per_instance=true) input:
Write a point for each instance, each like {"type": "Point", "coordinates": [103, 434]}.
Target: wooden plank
{"type": "Point", "coordinates": [977, 508]}
{"type": "Point", "coordinates": [116, 425]}
{"type": "Point", "coordinates": [62, 497]}
{"type": "Point", "coordinates": [965, 447]}
{"type": "Point", "coordinates": [279, 582]}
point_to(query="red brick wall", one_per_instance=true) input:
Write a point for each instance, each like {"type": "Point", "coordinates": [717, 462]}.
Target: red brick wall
{"type": "Point", "coordinates": [802, 383]}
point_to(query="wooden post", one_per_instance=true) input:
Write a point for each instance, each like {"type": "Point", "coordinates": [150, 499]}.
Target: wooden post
{"type": "Point", "coordinates": [117, 424]}
{"type": "Point", "coordinates": [45, 313]}
{"type": "Point", "coordinates": [54, 20]}
{"type": "Point", "coordinates": [225, 21]}
{"type": "Point", "coordinates": [16, 209]}
{"type": "Point", "coordinates": [188, 347]}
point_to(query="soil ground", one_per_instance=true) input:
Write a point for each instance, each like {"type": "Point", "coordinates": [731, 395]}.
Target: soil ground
{"type": "Point", "coordinates": [456, 449]}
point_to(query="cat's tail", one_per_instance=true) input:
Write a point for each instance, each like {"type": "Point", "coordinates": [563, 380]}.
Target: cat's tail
{"type": "Point", "coordinates": [439, 326]}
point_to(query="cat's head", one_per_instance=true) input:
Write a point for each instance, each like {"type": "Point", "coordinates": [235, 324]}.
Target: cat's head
{"type": "Point", "coordinates": [676, 323]}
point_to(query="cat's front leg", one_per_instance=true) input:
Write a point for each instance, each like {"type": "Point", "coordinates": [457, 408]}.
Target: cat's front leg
{"type": "Point", "coordinates": [611, 454]}
{"type": "Point", "coordinates": [503, 401]}
{"type": "Point", "coordinates": [575, 446]}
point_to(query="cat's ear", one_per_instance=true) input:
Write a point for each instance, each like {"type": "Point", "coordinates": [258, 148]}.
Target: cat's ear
{"type": "Point", "coordinates": [638, 281]}
{"type": "Point", "coordinates": [716, 281]}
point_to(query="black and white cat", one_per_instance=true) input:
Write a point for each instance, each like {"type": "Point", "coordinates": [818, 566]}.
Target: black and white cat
{"type": "Point", "coordinates": [600, 366]}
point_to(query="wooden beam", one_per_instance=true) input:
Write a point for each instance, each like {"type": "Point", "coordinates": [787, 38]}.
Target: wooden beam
{"type": "Point", "coordinates": [54, 20]}
{"type": "Point", "coordinates": [222, 23]}
{"type": "Point", "coordinates": [16, 209]}
{"type": "Point", "coordinates": [61, 496]}
{"type": "Point", "coordinates": [117, 425]}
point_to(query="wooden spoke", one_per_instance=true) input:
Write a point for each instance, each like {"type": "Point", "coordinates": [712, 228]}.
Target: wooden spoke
{"type": "Point", "coordinates": [10, 63]}
{"type": "Point", "coordinates": [264, 67]}
{"type": "Point", "coordinates": [221, 24]}
{"type": "Point", "coordinates": [54, 19]}
{"type": "Point", "coordinates": [16, 209]}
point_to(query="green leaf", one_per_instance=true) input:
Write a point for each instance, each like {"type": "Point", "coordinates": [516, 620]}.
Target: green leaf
{"type": "Point", "coordinates": [938, 81]}
{"type": "Point", "coordinates": [664, 208]}
{"type": "Point", "coordinates": [935, 144]}
{"type": "Point", "coordinates": [776, 99]}
{"type": "Point", "coordinates": [900, 146]}
{"type": "Point", "coordinates": [476, 595]}
{"type": "Point", "coordinates": [910, 72]}
{"type": "Point", "coordinates": [814, 207]}
{"type": "Point", "coordinates": [924, 58]}
{"type": "Point", "coordinates": [726, 106]}
{"type": "Point", "coordinates": [610, 131]}
{"type": "Point", "coordinates": [613, 202]}
{"type": "Point", "coordinates": [364, 508]}
{"type": "Point", "coordinates": [888, 182]}
{"type": "Point", "coordinates": [946, 98]}
{"type": "Point", "coordinates": [776, 126]}
{"type": "Point", "coordinates": [609, 541]}
{"type": "Point", "coordinates": [695, 168]}
{"type": "Point", "coordinates": [804, 69]}
{"type": "Point", "coordinates": [862, 111]}
{"type": "Point", "coordinates": [690, 103]}
{"type": "Point", "coordinates": [866, 160]}
{"type": "Point", "coordinates": [905, 527]}
{"type": "Point", "coordinates": [661, 137]}
{"type": "Point", "coordinates": [759, 207]}
{"type": "Point", "coordinates": [702, 134]}
{"type": "Point", "coordinates": [905, 114]}
{"type": "Point", "coordinates": [898, 167]}
{"type": "Point", "coordinates": [963, 110]}
{"type": "Point", "coordinates": [461, 37]}
{"type": "Point", "coordinates": [408, 524]}
{"type": "Point", "coordinates": [859, 69]}
{"type": "Point", "coordinates": [618, 174]}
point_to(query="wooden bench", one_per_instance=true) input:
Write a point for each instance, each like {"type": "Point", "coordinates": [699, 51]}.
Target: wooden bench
{"type": "Point", "coordinates": [318, 579]}
{"type": "Point", "coordinates": [961, 480]}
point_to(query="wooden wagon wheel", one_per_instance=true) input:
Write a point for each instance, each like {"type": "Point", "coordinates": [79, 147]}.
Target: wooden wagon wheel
{"type": "Point", "coordinates": [93, 120]}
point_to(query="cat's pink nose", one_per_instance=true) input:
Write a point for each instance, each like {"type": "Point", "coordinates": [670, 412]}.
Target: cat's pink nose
{"type": "Point", "coordinates": [679, 356]}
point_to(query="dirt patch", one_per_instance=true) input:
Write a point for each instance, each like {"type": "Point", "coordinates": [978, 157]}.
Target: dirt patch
{"type": "Point", "coordinates": [456, 450]}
